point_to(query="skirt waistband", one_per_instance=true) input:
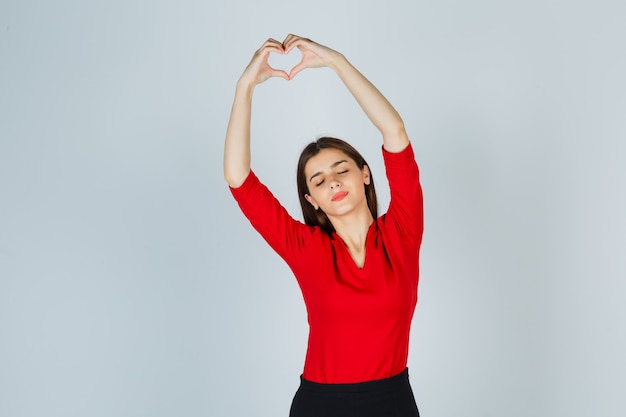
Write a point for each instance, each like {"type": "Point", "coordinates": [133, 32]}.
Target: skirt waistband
{"type": "Point", "coordinates": [385, 384]}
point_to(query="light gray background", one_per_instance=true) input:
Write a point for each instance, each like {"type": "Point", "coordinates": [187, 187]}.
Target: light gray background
{"type": "Point", "coordinates": [131, 285]}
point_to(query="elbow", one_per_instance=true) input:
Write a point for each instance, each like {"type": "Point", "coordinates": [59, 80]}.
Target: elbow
{"type": "Point", "coordinates": [395, 138]}
{"type": "Point", "coordinates": [394, 130]}
{"type": "Point", "coordinates": [235, 179]}
{"type": "Point", "coordinates": [399, 129]}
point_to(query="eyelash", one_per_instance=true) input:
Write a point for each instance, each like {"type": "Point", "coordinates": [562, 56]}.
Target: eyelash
{"type": "Point", "coordinates": [322, 181]}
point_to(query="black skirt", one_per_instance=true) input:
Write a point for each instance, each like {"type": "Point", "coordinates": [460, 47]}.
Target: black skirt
{"type": "Point", "coordinates": [389, 397]}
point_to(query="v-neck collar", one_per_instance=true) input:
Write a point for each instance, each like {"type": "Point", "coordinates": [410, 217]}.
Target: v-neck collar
{"type": "Point", "coordinates": [346, 251]}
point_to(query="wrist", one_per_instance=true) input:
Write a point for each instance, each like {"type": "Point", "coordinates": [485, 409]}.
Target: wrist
{"type": "Point", "coordinates": [338, 62]}
{"type": "Point", "coordinates": [245, 86]}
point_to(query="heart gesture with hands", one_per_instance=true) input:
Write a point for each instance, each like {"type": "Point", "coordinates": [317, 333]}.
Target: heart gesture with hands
{"type": "Point", "coordinates": [314, 55]}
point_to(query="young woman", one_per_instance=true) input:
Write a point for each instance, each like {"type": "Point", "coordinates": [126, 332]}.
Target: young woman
{"type": "Point", "coordinates": [358, 272]}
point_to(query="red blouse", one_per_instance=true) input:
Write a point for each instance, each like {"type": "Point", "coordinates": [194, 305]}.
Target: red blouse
{"type": "Point", "coordinates": [359, 318]}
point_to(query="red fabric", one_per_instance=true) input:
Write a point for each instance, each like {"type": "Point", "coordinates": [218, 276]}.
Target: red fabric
{"type": "Point", "coordinates": [359, 318]}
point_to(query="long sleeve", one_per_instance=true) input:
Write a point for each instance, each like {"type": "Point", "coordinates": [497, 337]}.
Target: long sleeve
{"type": "Point", "coordinates": [406, 209]}
{"type": "Point", "coordinates": [282, 232]}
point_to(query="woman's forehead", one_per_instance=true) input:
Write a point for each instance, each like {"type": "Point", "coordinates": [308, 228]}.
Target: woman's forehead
{"type": "Point", "coordinates": [325, 159]}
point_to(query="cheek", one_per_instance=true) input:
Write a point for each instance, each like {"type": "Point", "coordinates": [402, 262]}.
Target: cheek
{"type": "Point", "coordinates": [316, 194]}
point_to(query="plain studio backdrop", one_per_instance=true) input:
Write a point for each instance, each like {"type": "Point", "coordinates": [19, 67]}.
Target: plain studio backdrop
{"type": "Point", "coordinates": [131, 285]}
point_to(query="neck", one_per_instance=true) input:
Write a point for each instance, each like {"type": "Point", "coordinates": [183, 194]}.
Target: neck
{"type": "Point", "coordinates": [352, 228]}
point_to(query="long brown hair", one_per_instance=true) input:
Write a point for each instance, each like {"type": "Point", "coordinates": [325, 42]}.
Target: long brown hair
{"type": "Point", "coordinates": [314, 217]}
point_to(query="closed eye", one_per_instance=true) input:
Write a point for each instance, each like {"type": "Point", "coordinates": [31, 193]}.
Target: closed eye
{"type": "Point", "coordinates": [331, 166]}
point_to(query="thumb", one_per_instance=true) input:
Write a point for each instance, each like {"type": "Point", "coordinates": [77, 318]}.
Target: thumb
{"type": "Point", "coordinates": [280, 73]}
{"type": "Point", "coordinates": [296, 70]}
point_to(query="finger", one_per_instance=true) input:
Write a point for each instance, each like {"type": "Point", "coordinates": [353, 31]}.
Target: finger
{"type": "Point", "coordinates": [265, 50]}
{"type": "Point", "coordinates": [272, 44]}
{"type": "Point", "coordinates": [289, 38]}
{"type": "Point", "coordinates": [272, 41]}
{"type": "Point", "coordinates": [279, 73]}
{"type": "Point", "coordinates": [274, 48]}
{"type": "Point", "coordinates": [296, 70]}
{"type": "Point", "coordinates": [292, 44]}
{"type": "Point", "coordinates": [292, 41]}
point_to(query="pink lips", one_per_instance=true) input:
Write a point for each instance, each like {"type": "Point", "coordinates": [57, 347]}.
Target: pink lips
{"type": "Point", "coordinates": [339, 195]}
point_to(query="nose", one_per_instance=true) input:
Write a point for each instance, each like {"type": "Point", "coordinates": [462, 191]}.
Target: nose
{"type": "Point", "coordinates": [334, 184]}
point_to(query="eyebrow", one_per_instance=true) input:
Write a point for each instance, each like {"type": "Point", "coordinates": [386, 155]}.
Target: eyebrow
{"type": "Point", "coordinates": [332, 166]}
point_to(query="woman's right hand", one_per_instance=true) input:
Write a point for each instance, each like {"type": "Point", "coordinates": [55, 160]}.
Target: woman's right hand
{"type": "Point", "coordinates": [259, 69]}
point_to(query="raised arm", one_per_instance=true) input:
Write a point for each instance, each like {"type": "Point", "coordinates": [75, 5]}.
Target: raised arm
{"type": "Point", "coordinates": [237, 144]}
{"type": "Point", "coordinates": [380, 112]}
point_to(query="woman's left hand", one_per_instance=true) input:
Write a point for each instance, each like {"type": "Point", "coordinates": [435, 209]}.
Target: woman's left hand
{"type": "Point", "coordinates": [314, 55]}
